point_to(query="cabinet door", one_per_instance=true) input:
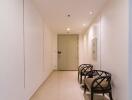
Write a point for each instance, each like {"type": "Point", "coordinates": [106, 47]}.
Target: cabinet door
{"type": "Point", "coordinates": [11, 50]}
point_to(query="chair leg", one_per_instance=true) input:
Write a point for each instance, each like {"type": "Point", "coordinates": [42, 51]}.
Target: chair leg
{"type": "Point", "coordinates": [80, 79]}
{"type": "Point", "coordinates": [85, 88]}
{"type": "Point", "coordinates": [78, 76]}
{"type": "Point", "coordinates": [110, 95]}
{"type": "Point", "coordinates": [92, 94]}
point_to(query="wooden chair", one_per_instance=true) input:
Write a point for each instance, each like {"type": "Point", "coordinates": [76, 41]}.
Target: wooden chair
{"type": "Point", "coordinates": [82, 70]}
{"type": "Point", "coordinates": [100, 82]}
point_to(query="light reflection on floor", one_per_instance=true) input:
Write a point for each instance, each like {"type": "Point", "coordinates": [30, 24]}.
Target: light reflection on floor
{"type": "Point", "coordinates": [63, 85]}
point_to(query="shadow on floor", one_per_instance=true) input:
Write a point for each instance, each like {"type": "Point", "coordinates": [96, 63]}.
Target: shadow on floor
{"type": "Point", "coordinates": [87, 96]}
{"type": "Point", "coordinates": [96, 97]}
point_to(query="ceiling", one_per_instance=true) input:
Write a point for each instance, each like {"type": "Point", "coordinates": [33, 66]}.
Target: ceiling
{"type": "Point", "coordinates": [55, 13]}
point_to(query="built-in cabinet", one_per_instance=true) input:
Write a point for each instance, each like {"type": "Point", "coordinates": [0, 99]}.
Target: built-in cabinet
{"type": "Point", "coordinates": [26, 60]}
{"type": "Point", "coordinates": [11, 50]}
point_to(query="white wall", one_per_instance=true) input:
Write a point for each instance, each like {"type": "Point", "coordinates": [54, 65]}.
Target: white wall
{"type": "Point", "coordinates": [130, 50]}
{"type": "Point", "coordinates": [81, 48]}
{"type": "Point", "coordinates": [27, 54]}
{"type": "Point", "coordinates": [85, 45]}
{"type": "Point", "coordinates": [11, 50]}
{"type": "Point", "coordinates": [33, 32]}
{"type": "Point", "coordinates": [40, 49]}
{"type": "Point", "coordinates": [114, 45]}
{"type": "Point", "coordinates": [50, 51]}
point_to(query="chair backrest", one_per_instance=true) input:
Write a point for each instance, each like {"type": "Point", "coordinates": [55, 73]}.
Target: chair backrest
{"type": "Point", "coordinates": [85, 67]}
{"type": "Point", "coordinates": [100, 73]}
{"type": "Point", "coordinates": [102, 80]}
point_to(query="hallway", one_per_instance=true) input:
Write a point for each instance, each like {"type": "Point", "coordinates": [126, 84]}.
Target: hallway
{"type": "Point", "coordinates": [62, 85]}
{"type": "Point", "coordinates": [29, 50]}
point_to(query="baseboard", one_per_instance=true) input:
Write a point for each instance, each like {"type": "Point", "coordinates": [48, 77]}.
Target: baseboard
{"type": "Point", "coordinates": [42, 83]}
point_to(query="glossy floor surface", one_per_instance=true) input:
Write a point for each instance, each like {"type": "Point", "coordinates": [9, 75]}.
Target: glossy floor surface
{"type": "Point", "coordinates": [62, 85]}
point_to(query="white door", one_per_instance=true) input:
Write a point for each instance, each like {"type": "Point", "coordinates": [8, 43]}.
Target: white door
{"type": "Point", "coordinates": [67, 52]}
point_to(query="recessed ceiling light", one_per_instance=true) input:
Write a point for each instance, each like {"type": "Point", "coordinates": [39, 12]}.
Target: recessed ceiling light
{"type": "Point", "coordinates": [91, 12]}
{"type": "Point", "coordinates": [68, 29]}
{"type": "Point", "coordinates": [84, 25]}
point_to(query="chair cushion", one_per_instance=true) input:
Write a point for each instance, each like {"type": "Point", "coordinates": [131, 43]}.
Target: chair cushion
{"type": "Point", "coordinates": [89, 81]}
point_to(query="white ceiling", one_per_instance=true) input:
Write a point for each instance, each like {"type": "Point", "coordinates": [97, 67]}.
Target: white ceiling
{"type": "Point", "coordinates": [55, 13]}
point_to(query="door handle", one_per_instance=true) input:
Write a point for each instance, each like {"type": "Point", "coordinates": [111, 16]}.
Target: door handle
{"type": "Point", "coordinates": [59, 52]}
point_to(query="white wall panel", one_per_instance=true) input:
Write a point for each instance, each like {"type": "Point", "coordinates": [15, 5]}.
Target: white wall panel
{"type": "Point", "coordinates": [50, 51]}
{"type": "Point", "coordinates": [33, 32]}
{"type": "Point", "coordinates": [130, 49]}
{"type": "Point", "coordinates": [11, 50]}
{"type": "Point", "coordinates": [40, 48]}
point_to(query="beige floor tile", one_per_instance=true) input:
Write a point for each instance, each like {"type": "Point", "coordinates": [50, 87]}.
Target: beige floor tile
{"type": "Point", "coordinates": [62, 85]}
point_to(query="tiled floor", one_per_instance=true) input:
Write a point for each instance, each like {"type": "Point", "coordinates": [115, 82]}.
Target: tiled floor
{"type": "Point", "coordinates": [62, 85]}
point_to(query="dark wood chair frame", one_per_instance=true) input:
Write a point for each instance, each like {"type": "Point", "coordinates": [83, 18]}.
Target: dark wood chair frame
{"type": "Point", "coordinates": [82, 71]}
{"type": "Point", "coordinates": [96, 86]}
